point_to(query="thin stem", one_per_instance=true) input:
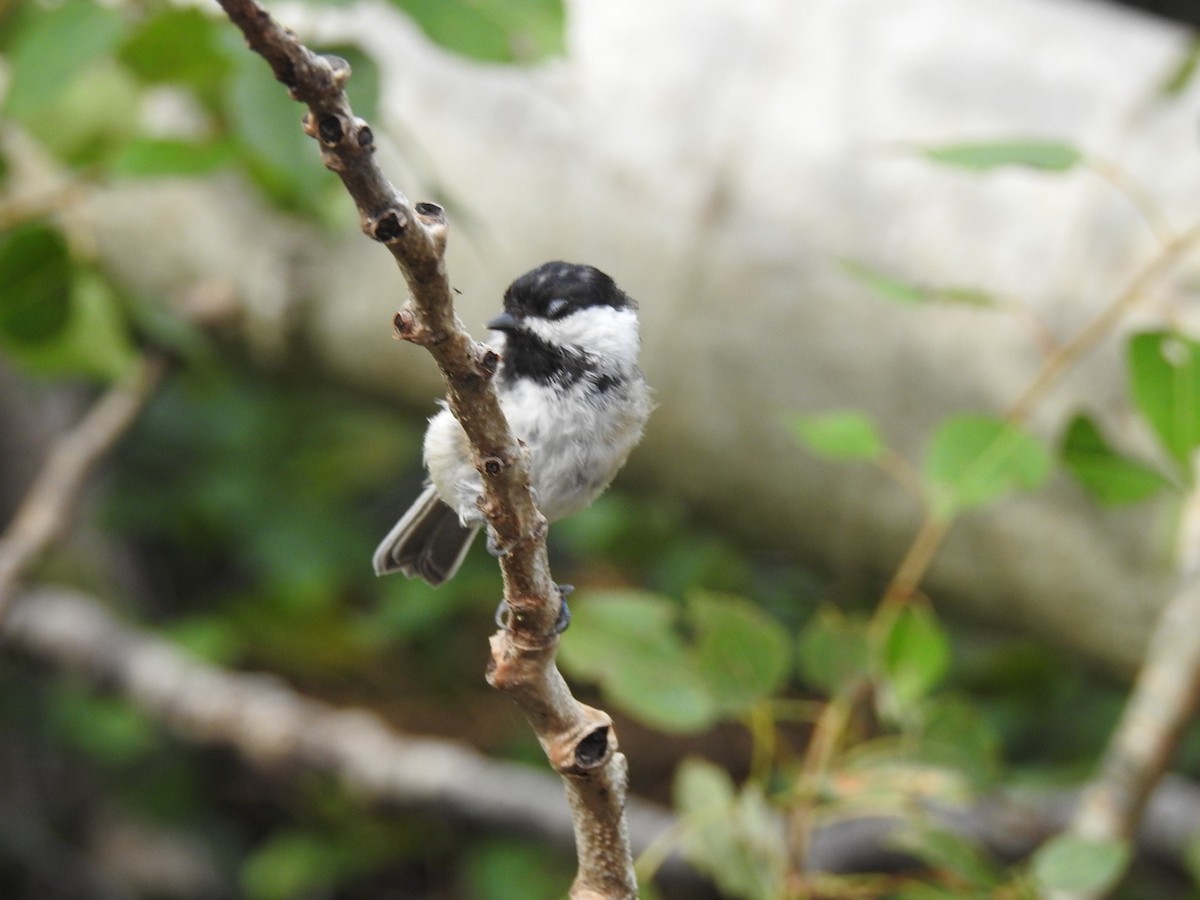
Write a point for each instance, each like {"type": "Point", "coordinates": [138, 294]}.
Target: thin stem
{"type": "Point", "coordinates": [902, 472]}
{"type": "Point", "coordinates": [1152, 723]}
{"type": "Point", "coordinates": [1133, 190]}
{"type": "Point", "coordinates": [822, 745]}
{"type": "Point", "coordinates": [934, 528]}
{"type": "Point", "coordinates": [659, 850]}
{"type": "Point", "coordinates": [47, 508]}
{"type": "Point", "coordinates": [917, 560]}
{"type": "Point", "coordinates": [18, 210]}
{"type": "Point", "coordinates": [760, 722]}
{"type": "Point", "coordinates": [1104, 322]}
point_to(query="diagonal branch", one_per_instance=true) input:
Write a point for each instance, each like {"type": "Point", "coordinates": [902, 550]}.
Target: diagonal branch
{"type": "Point", "coordinates": [1154, 719]}
{"type": "Point", "coordinates": [578, 740]}
{"type": "Point", "coordinates": [46, 510]}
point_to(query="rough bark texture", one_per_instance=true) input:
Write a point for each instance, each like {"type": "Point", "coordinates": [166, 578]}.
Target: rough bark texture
{"type": "Point", "coordinates": [579, 741]}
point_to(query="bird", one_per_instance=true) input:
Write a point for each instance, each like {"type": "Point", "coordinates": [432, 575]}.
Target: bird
{"type": "Point", "coordinates": [569, 384]}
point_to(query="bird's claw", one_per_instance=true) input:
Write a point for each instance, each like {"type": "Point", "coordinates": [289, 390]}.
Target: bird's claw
{"type": "Point", "coordinates": [560, 624]}
{"type": "Point", "coordinates": [495, 548]}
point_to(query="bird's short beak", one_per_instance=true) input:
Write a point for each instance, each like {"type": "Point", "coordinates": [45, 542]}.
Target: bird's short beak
{"type": "Point", "coordinates": [506, 321]}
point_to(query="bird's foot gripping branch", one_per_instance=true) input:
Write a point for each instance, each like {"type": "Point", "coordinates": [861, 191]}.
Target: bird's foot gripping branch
{"type": "Point", "coordinates": [578, 740]}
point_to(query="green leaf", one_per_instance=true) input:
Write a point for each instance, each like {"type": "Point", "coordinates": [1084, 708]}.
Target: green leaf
{"type": "Point", "coordinates": [833, 653]}
{"type": "Point", "coordinates": [605, 622]}
{"type": "Point", "coordinates": [55, 47]}
{"type": "Point", "coordinates": [1183, 72]}
{"type": "Point", "coordinates": [35, 284]}
{"type": "Point", "coordinates": [1072, 863]}
{"type": "Point", "coordinates": [972, 460]}
{"type": "Point", "coordinates": [892, 771]}
{"type": "Point", "coordinates": [1050, 156]}
{"type": "Point", "coordinates": [149, 157]}
{"type": "Point", "coordinates": [285, 161]}
{"type": "Point", "coordinates": [955, 735]}
{"type": "Point", "coordinates": [1164, 375]}
{"type": "Point", "coordinates": [90, 118]}
{"type": "Point", "coordinates": [631, 643]}
{"type": "Point", "coordinates": [1111, 478]}
{"type": "Point", "coordinates": [918, 891]}
{"type": "Point", "coordinates": [628, 642]}
{"type": "Point", "coordinates": [948, 851]}
{"type": "Point", "coordinates": [662, 692]}
{"type": "Point", "coordinates": [735, 838]}
{"type": "Point", "coordinates": [1191, 858]}
{"type": "Point", "coordinates": [764, 843]}
{"type": "Point", "coordinates": [702, 788]}
{"type": "Point", "coordinates": [105, 728]}
{"type": "Point", "coordinates": [492, 30]}
{"type": "Point", "coordinates": [95, 341]}
{"type": "Point", "coordinates": [211, 638]}
{"type": "Point", "coordinates": [498, 868]}
{"type": "Point", "coordinates": [839, 435]}
{"type": "Point", "coordinates": [915, 654]}
{"type": "Point", "coordinates": [157, 326]}
{"type": "Point", "coordinates": [892, 288]}
{"type": "Point", "coordinates": [178, 45]}
{"type": "Point", "coordinates": [966, 296]}
{"type": "Point", "coordinates": [741, 654]}
{"type": "Point", "coordinates": [887, 286]}
{"type": "Point", "coordinates": [292, 864]}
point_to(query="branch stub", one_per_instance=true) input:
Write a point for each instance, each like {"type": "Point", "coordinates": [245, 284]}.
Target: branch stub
{"type": "Point", "coordinates": [593, 749]}
{"type": "Point", "coordinates": [389, 227]}
{"type": "Point", "coordinates": [407, 327]}
{"type": "Point", "coordinates": [339, 70]}
{"type": "Point", "coordinates": [430, 213]}
{"type": "Point", "coordinates": [489, 362]}
{"type": "Point", "coordinates": [330, 130]}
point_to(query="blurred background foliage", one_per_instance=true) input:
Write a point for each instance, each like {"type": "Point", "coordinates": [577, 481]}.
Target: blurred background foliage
{"type": "Point", "coordinates": [239, 516]}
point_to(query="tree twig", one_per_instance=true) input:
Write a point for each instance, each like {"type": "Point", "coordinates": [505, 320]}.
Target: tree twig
{"type": "Point", "coordinates": [271, 725]}
{"type": "Point", "coordinates": [579, 741]}
{"type": "Point", "coordinates": [1161, 265]}
{"type": "Point", "coordinates": [47, 508]}
{"type": "Point", "coordinates": [1151, 725]}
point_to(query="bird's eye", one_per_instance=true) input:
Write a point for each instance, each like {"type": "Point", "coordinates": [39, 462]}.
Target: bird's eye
{"type": "Point", "coordinates": [557, 308]}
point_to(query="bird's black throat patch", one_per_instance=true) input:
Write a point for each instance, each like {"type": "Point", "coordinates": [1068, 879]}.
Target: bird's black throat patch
{"type": "Point", "coordinates": [528, 356]}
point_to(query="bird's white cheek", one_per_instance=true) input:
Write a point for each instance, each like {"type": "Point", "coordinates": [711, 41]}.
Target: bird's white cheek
{"type": "Point", "coordinates": [602, 332]}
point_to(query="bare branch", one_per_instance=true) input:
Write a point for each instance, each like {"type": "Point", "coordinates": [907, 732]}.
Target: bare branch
{"type": "Point", "coordinates": [47, 508]}
{"type": "Point", "coordinates": [1151, 725]}
{"type": "Point", "coordinates": [579, 741]}
{"type": "Point", "coordinates": [271, 725]}
{"type": "Point", "coordinates": [1161, 265]}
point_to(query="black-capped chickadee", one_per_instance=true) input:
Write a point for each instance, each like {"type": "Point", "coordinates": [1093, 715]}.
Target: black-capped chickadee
{"type": "Point", "coordinates": [570, 386]}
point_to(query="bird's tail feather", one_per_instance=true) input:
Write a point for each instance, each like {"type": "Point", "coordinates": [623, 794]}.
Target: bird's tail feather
{"type": "Point", "coordinates": [428, 542]}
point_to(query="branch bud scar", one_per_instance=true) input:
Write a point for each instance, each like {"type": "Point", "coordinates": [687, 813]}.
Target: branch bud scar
{"type": "Point", "coordinates": [489, 361]}
{"type": "Point", "coordinates": [388, 227]}
{"type": "Point", "coordinates": [430, 213]}
{"type": "Point", "coordinates": [330, 130]}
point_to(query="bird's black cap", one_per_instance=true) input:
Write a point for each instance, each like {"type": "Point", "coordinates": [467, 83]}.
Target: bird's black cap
{"type": "Point", "coordinates": [556, 289]}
